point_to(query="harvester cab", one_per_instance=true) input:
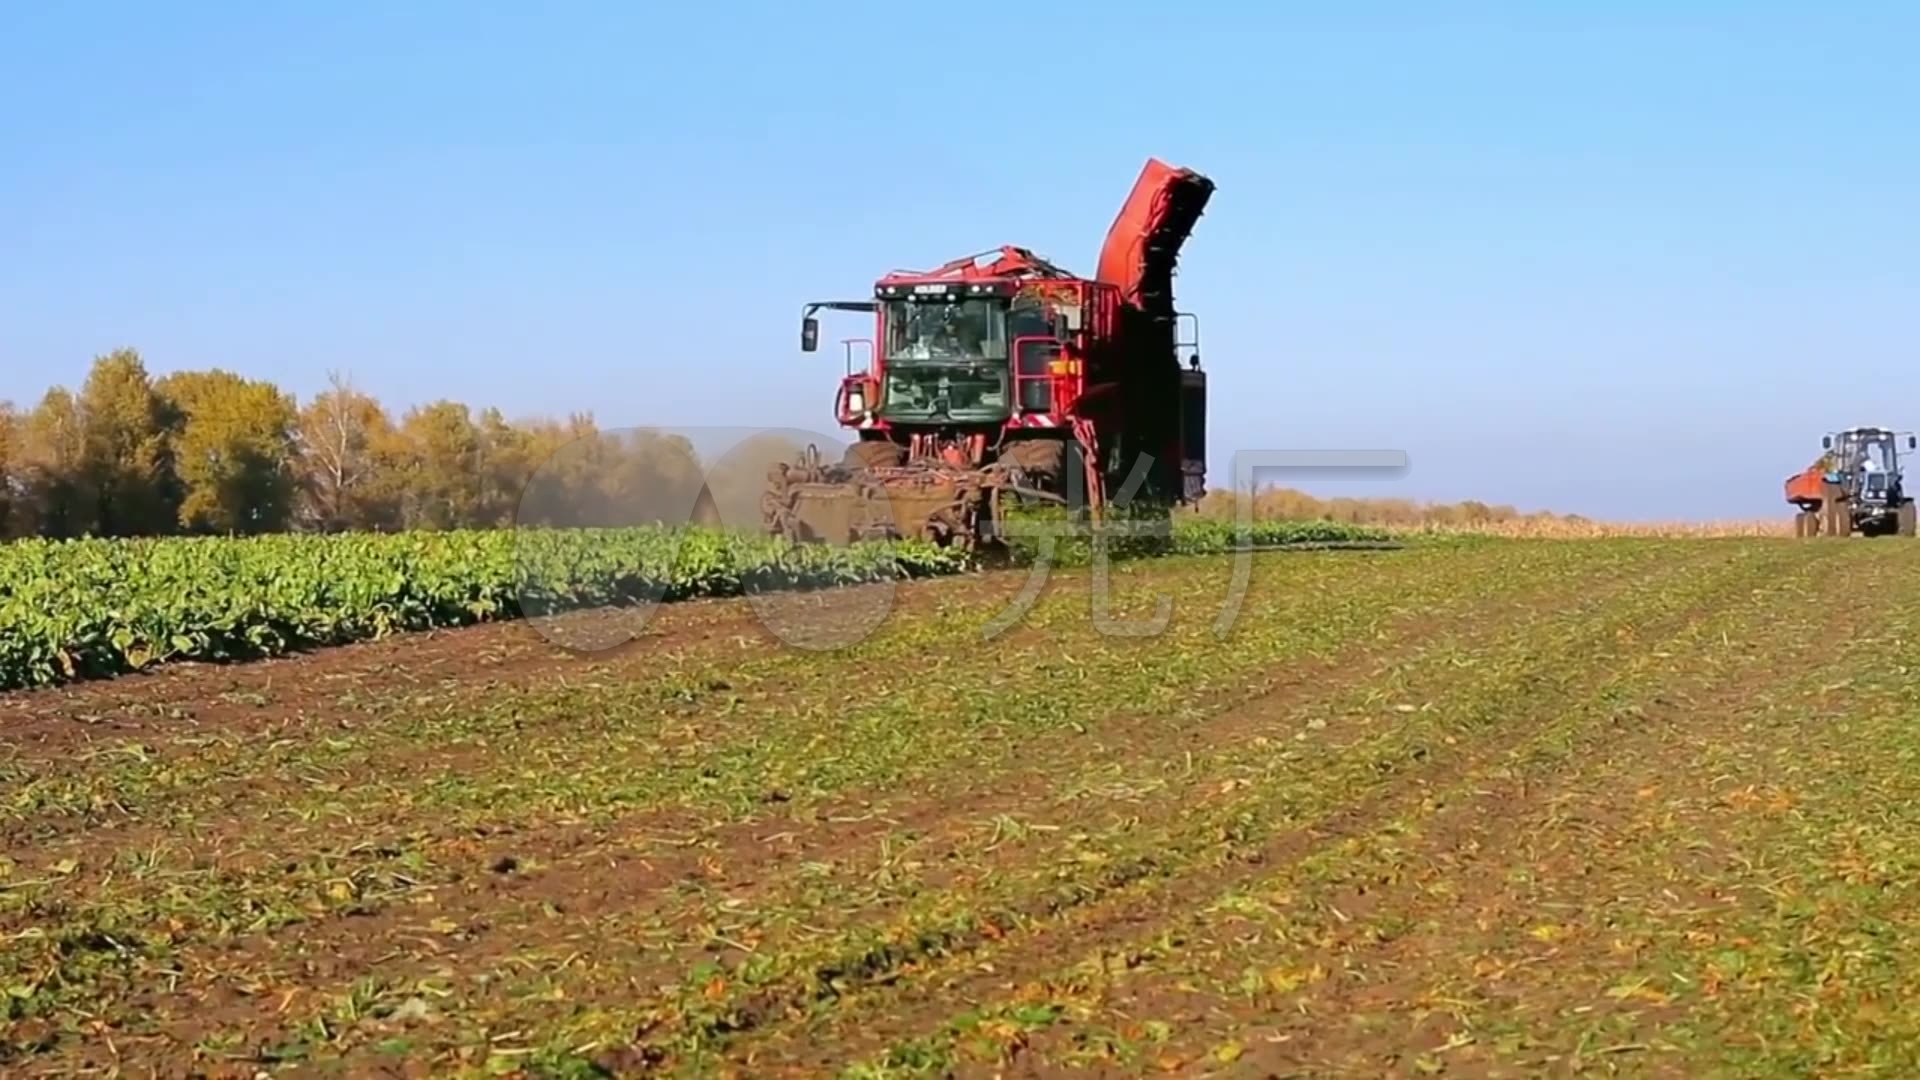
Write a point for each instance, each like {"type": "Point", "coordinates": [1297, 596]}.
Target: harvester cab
{"type": "Point", "coordinates": [1857, 486]}
{"type": "Point", "coordinates": [1000, 379]}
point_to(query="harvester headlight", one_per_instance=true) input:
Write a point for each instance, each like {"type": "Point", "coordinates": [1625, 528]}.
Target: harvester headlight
{"type": "Point", "coordinates": [856, 401]}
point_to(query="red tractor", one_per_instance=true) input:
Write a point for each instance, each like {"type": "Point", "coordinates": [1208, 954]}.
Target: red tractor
{"type": "Point", "coordinates": [1002, 379]}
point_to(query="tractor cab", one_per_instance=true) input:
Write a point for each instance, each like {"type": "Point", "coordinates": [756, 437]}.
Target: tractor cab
{"type": "Point", "coordinates": [1865, 463]}
{"type": "Point", "coordinates": [943, 354]}
{"type": "Point", "coordinates": [979, 344]}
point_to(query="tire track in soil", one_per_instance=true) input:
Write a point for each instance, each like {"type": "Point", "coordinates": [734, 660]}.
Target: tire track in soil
{"type": "Point", "coordinates": [189, 701]}
{"type": "Point", "coordinates": [974, 971]}
{"type": "Point", "coordinates": [484, 904]}
{"type": "Point", "coordinates": [1083, 923]}
{"type": "Point", "coordinates": [394, 749]}
{"type": "Point", "coordinates": [702, 723]}
{"type": "Point", "coordinates": [1343, 571]}
{"type": "Point", "coordinates": [683, 716]}
{"type": "Point", "coordinates": [1604, 835]}
{"type": "Point", "coordinates": [576, 996]}
{"type": "Point", "coordinates": [594, 884]}
{"type": "Point", "coordinates": [1223, 721]}
{"type": "Point", "coordinates": [1405, 995]}
{"type": "Point", "coordinates": [186, 702]}
{"type": "Point", "coordinates": [847, 828]}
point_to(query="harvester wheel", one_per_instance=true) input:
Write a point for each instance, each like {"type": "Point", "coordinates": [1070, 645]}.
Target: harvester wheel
{"type": "Point", "coordinates": [1043, 461]}
{"type": "Point", "coordinates": [1805, 524]}
{"type": "Point", "coordinates": [874, 454]}
{"type": "Point", "coordinates": [1907, 519]}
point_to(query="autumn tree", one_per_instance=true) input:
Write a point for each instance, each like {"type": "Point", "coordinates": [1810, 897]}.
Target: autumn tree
{"type": "Point", "coordinates": [508, 454]}
{"type": "Point", "coordinates": [54, 500]}
{"type": "Point", "coordinates": [125, 467]}
{"type": "Point", "coordinates": [232, 451]}
{"type": "Point", "coordinates": [441, 479]}
{"type": "Point", "coordinates": [215, 452]}
{"type": "Point", "coordinates": [566, 460]}
{"type": "Point", "coordinates": [651, 478]}
{"type": "Point", "coordinates": [343, 478]}
{"type": "Point", "coordinates": [12, 486]}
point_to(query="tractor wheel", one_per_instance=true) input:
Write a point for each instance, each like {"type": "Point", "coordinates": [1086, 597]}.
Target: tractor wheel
{"type": "Point", "coordinates": [874, 454]}
{"type": "Point", "coordinates": [1835, 519]}
{"type": "Point", "coordinates": [1907, 519]}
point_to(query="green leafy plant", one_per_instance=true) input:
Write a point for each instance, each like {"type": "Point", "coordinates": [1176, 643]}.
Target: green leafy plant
{"type": "Point", "coordinates": [92, 608]}
{"type": "Point", "coordinates": [89, 608]}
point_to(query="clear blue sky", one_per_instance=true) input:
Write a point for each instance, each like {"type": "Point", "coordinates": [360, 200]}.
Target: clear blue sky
{"type": "Point", "coordinates": [1631, 264]}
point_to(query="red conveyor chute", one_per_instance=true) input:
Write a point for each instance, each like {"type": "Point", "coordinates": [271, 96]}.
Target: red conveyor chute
{"type": "Point", "coordinates": [1144, 242]}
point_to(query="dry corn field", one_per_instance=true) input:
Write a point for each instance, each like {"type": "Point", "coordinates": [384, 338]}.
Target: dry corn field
{"type": "Point", "coordinates": [1581, 529]}
{"type": "Point", "coordinates": [1628, 806]}
{"type": "Point", "coordinates": [1407, 517]}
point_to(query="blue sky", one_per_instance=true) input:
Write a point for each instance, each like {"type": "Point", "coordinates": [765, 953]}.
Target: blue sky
{"type": "Point", "coordinates": [1630, 263]}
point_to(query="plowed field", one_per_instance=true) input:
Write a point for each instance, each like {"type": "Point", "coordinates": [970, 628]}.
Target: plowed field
{"type": "Point", "coordinates": [1504, 808]}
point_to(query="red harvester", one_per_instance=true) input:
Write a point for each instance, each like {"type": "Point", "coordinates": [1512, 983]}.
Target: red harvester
{"type": "Point", "coordinates": [1001, 379]}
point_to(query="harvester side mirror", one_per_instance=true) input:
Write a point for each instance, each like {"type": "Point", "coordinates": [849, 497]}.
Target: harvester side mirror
{"type": "Point", "coordinates": [1910, 443]}
{"type": "Point", "coordinates": [809, 334]}
{"type": "Point", "coordinates": [1826, 442]}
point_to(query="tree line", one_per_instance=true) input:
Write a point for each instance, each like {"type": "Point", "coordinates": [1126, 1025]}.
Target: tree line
{"type": "Point", "coordinates": [212, 452]}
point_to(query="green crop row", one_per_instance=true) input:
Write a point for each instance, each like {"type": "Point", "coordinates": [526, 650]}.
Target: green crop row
{"type": "Point", "coordinates": [1143, 531]}
{"type": "Point", "coordinates": [1209, 536]}
{"type": "Point", "coordinates": [90, 608]}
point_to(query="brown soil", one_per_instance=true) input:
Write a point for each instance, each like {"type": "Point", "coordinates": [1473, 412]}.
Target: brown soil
{"type": "Point", "coordinates": [1483, 889]}
{"type": "Point", "coordinates": [627, 871]}
{"type": "Point", "coordinates": [1111, 926]}
{"type": "Point", "coordinates": [188, 701]}
{"type": "Point", "coordinates": [643, 884]}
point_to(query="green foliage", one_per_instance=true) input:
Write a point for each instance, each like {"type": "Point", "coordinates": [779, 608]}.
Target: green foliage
{"type": "Point", "coordinates": [1143, 530]}
{"type": "Point", "coordinates": [1206, 536]}
{"type": "Point", "coordinates": [96, 607]}
{"type": "Point", "coordinates": [124, 461]}
{"type": "Point", "coordinates": [232, 444]}
{"type": "Point", "coordinates": [89, 608]}
{"type": "Point", "coordinates": [1064, 537]}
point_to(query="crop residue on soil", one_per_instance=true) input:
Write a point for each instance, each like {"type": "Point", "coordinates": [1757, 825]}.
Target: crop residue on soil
{"type": "Point", "coordinates": [1514, 808]}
